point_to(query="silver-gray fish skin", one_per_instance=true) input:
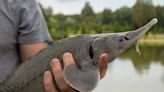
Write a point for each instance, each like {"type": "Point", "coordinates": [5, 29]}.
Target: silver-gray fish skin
{"type": "Point", "coordinates": [86, 50]}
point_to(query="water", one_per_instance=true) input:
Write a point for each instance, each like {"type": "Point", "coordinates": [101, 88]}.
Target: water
{"type": "Point", "coordinates": [133, 73]}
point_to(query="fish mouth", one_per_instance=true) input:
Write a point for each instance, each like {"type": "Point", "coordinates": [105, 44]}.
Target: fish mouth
{"type": "Point", "coordinates": [136, 35]}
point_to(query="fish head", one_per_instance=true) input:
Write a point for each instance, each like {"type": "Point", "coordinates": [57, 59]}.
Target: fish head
{"type": "Point", "coordinates": [116, 43]}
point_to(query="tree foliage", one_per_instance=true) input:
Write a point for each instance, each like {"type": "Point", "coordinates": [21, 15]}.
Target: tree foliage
{"type": "Point", "coordinates": [87, 12]}
{"type": "Point", "coordinates": [123, 19]}
{"type": "Point", "coordinates": [106, 16]}
{"type": "Point", "coordinates": [143, 11]}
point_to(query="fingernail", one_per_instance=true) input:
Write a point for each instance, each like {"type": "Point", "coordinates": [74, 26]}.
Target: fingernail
{"type": "Point", "coordinates": [54, 62]}
{"type": "Point", "coordinates": [105, 57]}
{"type": "Point", "coordinates": [67, 55]}
{"type": "Point", "coordinates": [46, 74]}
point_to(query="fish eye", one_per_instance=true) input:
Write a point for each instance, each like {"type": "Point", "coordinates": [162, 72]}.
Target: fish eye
{"type": "Point", "coordinates": [126, 38]}
{"type": "Point", "coordinates": [123, 38]}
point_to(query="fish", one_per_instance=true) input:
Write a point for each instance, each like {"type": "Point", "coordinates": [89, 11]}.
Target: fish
{"type": "Point", "coordinates": [86, 49]}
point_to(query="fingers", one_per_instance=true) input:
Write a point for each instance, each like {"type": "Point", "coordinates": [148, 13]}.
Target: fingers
{"type": "Point", "coordinates": [48, 82]}
{"type": "Point", "coordinates": [58, 72]}
{"type": "Point", "coordinates": [68, 58]}
{"type": "Point", "coordinates": [103, 62]}
{"type": "Point", "coordinates": [58, 75]}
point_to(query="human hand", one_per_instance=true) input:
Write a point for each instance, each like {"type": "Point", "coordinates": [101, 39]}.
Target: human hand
{"type": "Point", "coordinates": [103, 64]}
{"type": "Point", "coordinates": [57, 72]}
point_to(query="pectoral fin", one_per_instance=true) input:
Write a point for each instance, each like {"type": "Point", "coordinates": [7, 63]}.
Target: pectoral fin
{"type": "Point", "coordinates": [82, 80]}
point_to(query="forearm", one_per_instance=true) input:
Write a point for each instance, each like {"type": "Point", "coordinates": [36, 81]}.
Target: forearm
{"type": "Point", "coordinates": [29, 50]}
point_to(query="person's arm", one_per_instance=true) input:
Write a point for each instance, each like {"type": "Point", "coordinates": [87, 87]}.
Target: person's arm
{"type": "Point", "coordinates": [29, 50]}
{"type": "Point", "coordinates": [57, 73]}
{"type": "Point", "coordinates": [32, 31]}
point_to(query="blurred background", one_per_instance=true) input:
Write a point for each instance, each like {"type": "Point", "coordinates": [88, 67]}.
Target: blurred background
{"type": "Point", "coordinates": [129, 72]}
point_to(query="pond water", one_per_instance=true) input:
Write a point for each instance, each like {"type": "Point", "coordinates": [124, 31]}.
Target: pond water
{"type": "Point", "coordinates": [134, 73]}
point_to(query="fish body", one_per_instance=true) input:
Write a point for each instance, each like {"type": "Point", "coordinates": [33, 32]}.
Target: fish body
{"type": "Point", "coordinates": [86, 49]}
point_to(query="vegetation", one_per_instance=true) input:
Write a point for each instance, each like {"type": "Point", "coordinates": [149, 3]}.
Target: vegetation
{"type": "Point", "coordinates": [123, 19]}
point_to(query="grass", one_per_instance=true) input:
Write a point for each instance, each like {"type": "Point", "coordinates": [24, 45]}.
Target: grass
{"type": "Point", "coordinates": [153, 39]}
